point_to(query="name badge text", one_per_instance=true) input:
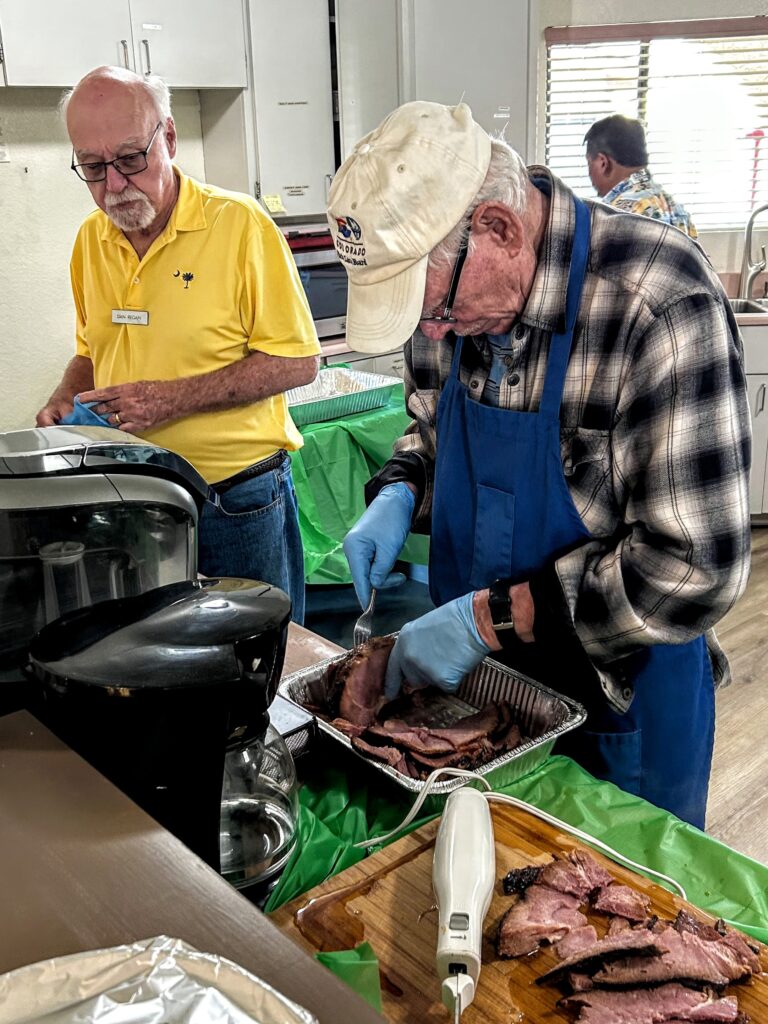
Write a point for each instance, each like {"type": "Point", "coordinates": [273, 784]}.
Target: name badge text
{"type": "Point", "coordinates": [137, 317]}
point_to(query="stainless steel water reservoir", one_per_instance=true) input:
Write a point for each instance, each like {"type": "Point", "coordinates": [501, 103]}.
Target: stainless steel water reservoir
{"type": "Point", "coordinates": [88, 514]}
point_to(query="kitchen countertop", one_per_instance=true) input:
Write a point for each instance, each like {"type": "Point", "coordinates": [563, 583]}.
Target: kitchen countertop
{"type": "Point", "coordinates": [82, 867]}
{"type": "Point", "coordinates": [752, 319]}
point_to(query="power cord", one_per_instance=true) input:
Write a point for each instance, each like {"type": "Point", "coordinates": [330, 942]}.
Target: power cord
{"type": "Point", "coordinates": [513, 801]}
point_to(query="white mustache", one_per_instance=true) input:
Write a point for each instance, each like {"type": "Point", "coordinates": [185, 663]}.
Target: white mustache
{"type": "Point", "coordinates": [133, 218]}
{"type": "Point", "coordinates": [130, 192]}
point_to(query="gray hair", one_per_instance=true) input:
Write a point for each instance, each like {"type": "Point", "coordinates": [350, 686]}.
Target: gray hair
{"type": "Point", "coordinates": [154, 85]}
{"type": "Point", "coordinates": [505, 182]}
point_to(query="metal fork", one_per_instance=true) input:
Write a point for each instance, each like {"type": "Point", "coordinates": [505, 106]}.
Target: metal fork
{"type": "Point", "coordinates": [363, 625]}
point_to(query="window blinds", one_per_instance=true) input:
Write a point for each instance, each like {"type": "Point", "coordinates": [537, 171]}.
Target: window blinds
{"type": "Point", "coordinates": [699, 88]}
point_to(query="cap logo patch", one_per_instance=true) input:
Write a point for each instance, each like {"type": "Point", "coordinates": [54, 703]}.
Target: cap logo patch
{"type": "Point", "coordinates": [349, 242]}
{"type": "Point", "coordinates": [349, 228]}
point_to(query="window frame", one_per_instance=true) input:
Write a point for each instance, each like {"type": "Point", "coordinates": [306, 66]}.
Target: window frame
{"type": "Point", "coordinates": [643, 33]}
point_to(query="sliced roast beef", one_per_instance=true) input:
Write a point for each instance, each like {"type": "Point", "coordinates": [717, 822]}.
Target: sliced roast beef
{"type": "Point", "coordinates": [541, 915]}
{"type": "Point", "coordinates": [347, 727]}
{"type": "Point", "coordinates": [720, 932]}
{"type": "Point", "coordinates": [685, 957]}
{"type": "Point", "coordinates": [664, 1005]}
{"type": "Point", "coordinates": [417, 739]}
{"type": "Point", "coordinates": [355, 686]}
{"type": "Point", "coordinates": [472, 756]}
{"type": "Point", "coordinates": [622, 901]}
{"type": "Point", "coordinates": [577, 874]}
{"type": "Point", "coordinates": [389, 755]}
{"type": "Point", "coordinates": [469, 743]}
{"type": "Point", "coordinates": [489, 721]}
{"type": "Point", "coordinates": [575, 941]}
{"type": "Point", "coordinates": [641, 943]}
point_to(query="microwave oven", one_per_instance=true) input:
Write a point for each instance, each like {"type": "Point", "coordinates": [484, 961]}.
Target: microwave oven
{"type": "Point", "coordinates": [325, 283]}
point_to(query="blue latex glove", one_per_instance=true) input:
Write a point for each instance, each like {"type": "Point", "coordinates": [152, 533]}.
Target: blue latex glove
{"type": "Point", "coordinates": [83, 416]}
{"type": "Point", "coordinates": [374, 543]}
{"type": "Point", "coordinates": [437, 649]}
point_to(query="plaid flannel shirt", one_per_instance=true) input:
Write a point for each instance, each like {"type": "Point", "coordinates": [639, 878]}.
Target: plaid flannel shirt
{"type": "Point", "coordinates": [655, 434]}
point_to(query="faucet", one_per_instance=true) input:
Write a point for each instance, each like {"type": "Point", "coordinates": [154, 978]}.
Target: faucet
{"type": "Point", "coordinates": [750, 270]}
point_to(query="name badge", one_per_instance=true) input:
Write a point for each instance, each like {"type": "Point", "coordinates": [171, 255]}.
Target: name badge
{"type": "Point", "coordinates": [137, 317]}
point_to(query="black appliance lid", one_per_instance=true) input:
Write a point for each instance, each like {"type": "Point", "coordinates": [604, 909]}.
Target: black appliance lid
{"type": "Point", "coordinates": [194, 634]}
{"type": "Point", "coordinates": [57, 451]}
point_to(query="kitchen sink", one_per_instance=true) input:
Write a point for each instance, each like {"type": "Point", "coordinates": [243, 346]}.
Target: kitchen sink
{"type": "Point", "coordinates": [749, 305]}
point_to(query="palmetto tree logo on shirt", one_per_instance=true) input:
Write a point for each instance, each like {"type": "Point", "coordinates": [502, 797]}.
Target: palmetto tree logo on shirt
{"type": "Point", "coordinates": [186, 277]}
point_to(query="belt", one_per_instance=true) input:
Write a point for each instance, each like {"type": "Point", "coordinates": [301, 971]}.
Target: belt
{"type": "Point", "coordinates": [257, 469]}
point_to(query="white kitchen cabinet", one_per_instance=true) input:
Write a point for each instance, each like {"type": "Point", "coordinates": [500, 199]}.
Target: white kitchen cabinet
{"type": "Point", "coordinates": [293, 100]}
{"type": "Point", "coordinates": [190, 43]}
{"type": "Point", "coordinates": [757, 389]}
{"type": "Point", "coordinates": [476, 52]}
{"type": "Point", "coordinates": [367, 63]}
{"type": "Point", "coordinates": [54, 43]}
{"type": "Point", "coordinates": [755, 339]}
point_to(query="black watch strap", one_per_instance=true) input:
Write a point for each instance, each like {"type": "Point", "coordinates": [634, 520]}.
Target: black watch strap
{"type": "Point", "coordinates": [500, 606]}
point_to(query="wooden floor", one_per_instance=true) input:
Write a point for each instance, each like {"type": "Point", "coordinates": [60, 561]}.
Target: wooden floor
{"type": "Point", "coordinates": [738, 795]}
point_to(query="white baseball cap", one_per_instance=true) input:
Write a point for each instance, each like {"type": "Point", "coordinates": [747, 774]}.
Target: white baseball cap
{"type": "Point", "coordinates": [402, 190]}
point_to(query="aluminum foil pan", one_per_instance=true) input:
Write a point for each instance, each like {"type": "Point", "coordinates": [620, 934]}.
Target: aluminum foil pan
{"type": "Point", "coordinates": [541, 714]}
{"type": "Point", "coordinates": [336, 392]}
{"type": "Point", "coordinates": [160, 979]}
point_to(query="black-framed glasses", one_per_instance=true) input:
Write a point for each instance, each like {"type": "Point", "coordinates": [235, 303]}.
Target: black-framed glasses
{"type": "Point", "coordinates": [446, 317]}
{"type": "Point", "coordinates": [128, 164]}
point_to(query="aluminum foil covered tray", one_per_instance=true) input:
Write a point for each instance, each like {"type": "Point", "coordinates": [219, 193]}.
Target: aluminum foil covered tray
{"type": "Point", "coordinates": [337, 392]}
{"type": "Point", "coordinates": [541, 714]}
{"type": "Point", "coordinates": [159, 979]}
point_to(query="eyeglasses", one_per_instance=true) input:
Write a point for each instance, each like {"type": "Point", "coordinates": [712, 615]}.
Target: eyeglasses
{"type": "Point", "coordinates": [128, 164]}
{"type": "Point", "coordinates": [446, 317]}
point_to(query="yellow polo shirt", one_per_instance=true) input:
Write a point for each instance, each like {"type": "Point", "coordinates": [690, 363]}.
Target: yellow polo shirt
{"type": "Point", "coordinates": [218, 281]}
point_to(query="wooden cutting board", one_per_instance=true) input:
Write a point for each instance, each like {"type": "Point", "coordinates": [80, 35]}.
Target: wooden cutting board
{"type": "Point", "coordinates": [387, 900]}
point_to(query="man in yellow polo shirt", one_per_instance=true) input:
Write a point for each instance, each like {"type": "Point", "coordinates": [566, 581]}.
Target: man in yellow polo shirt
{"type": "Point", "coordinates": [191, 325]}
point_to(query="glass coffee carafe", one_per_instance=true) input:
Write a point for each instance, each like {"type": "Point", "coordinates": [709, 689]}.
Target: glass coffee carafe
{"type": "Point", "coordinates": [259, 814]}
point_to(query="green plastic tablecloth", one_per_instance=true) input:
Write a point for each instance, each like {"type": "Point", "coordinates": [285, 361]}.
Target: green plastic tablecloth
{"type": "Point", "coordinates": [340, 807]}
{"type": "Point", "coordinates": [330, 473]}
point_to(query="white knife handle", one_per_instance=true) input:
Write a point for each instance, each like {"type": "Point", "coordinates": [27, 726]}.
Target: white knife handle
{"type": "Point", "coordinates": [463, 877]}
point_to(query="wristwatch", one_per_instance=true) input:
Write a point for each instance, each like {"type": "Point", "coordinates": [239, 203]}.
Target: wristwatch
{"type": "Point", "coordinates": [500, 605]}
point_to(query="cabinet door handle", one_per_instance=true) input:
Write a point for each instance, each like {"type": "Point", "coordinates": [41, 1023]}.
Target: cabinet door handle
{"type": "Point", "coordinates": [760, 400]}
{"type": "Point", "coordinates": [145, 44]}
{"type": "Point", "coordinates": [124, 44]}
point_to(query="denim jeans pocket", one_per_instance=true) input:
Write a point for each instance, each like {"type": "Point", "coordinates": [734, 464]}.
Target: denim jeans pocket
{"type": "Point", "coordinates": [256, 497]}
{"type": "Point", "coordinates": [254, 533]}
{"type": "Point", "coordinates": [616, 756]}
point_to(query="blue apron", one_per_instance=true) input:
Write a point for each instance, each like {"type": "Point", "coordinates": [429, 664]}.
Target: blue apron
{"type": "Point", "coordinates": [502, 508]}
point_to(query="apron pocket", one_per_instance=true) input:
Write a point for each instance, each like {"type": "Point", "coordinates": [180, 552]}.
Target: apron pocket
{"type": "Point", "coordinates": [615, 756]}
{"type": "Point", "coordinates": [494, 528]}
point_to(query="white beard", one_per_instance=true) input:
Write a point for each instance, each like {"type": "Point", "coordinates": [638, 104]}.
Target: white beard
{"type": "Point", "coordinates": [136, 217]}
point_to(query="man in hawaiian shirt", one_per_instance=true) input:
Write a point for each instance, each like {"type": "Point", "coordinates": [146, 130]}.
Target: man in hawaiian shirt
{"type": "Point", "coordinates": [617, 160]}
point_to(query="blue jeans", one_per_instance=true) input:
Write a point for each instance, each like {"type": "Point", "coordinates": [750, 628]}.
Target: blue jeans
{"type": "Point", "coordinates": [254, 533]}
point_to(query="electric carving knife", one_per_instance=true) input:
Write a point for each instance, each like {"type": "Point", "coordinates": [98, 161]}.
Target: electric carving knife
{"type": "Point", "coordinates": [463, 876]}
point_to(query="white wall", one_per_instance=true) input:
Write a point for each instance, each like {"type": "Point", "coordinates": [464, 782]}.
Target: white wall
{"type": "Point", "coordinates": [723, 247]}
{"type": "Point", "coordinates": [41, 206]}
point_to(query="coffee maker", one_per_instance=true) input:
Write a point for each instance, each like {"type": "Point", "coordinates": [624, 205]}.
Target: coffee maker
{"type": "Point", "coordinates": [87, 514]}
{"type": "Point", "coordinates": [161, 681]}
{"type": "Point", "coordinates": [160, 691]}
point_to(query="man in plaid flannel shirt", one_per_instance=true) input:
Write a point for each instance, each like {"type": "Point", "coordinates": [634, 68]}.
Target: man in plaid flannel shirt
{"type": "Point", "coordinates": [579, 447]}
